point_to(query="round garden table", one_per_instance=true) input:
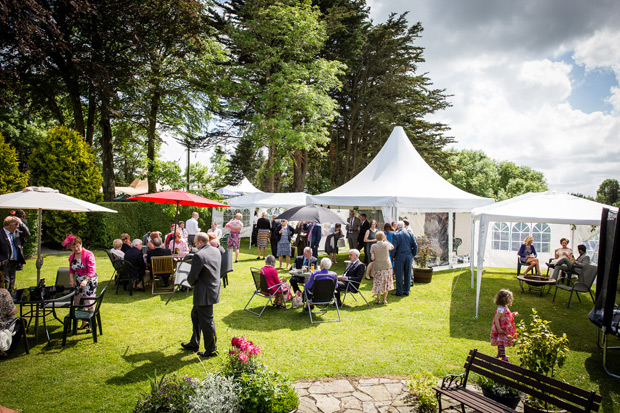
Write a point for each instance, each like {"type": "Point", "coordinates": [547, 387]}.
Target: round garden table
{"type": "Point", "coordinates": [536, 283]}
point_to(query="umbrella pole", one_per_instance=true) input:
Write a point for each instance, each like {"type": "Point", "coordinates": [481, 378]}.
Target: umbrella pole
{"type": "Point", "coordinates": [176, 220]}
{"type": "Point", "coordinates": [39, 262]}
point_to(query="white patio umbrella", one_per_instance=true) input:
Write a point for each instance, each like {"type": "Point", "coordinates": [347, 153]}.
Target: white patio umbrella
{"type": "Point", "coordinates": [40, 197]}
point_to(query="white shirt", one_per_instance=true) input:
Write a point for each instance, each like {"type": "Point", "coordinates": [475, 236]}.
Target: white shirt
{"type": "Point", "coordinates": [217, 232]}
{"type": "Point", "coordinates": [192, 226]}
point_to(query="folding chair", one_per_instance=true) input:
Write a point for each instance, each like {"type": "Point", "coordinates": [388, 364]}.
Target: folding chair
{"type": "Point", "coordinates": [353, 287]}
{"type": "Point", "coordinates": [162, 266]}
{"type": "Point", "coordinates": [323, 295]}
{"type": "Point", "coordinates": [260, 285]}
{"type": "Point", "coordinates": [180, 278]}
{"type": "Point", "coordinates": [113, 258]}
{"type": "Point", "coordinates": [81, 312]}
{"type": "Point", "coordinates": [582, 285]}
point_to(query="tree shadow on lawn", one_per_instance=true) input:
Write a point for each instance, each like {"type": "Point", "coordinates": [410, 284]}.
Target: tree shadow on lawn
{"type": "Point", "coordinates": [152, 361]}
{"type": "Point", "coordinates": [608, 386]}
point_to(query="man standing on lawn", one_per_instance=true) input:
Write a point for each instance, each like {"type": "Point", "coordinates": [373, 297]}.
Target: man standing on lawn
{"type": "Point", "coordinates": [192, 228]}
{"type": "Point", "coordinates": [405, 248]}
{"type": "Point", "coordinates": [204, 276]}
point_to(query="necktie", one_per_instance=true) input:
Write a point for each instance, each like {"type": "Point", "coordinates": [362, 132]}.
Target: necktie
{"type": "Point", "coordinates": [305, 262]}
{"type": "Point", "coordinates": [13, 248]}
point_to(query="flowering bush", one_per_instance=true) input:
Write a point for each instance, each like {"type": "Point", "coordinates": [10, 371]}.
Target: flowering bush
{"type": "Point", "coordinates": [216, 394]}
{"type": "Point", "coordinates": [168, 394]}
{"type": "Point", "coordinates": [241, 357]}
{"type": "Point", "coordinates": [425, 251]}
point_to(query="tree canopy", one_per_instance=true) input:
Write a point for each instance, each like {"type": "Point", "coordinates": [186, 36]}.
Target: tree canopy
{"type": "Point", "coordinates": [11, 178]}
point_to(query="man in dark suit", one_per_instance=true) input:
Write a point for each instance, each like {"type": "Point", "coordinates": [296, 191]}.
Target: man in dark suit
{"type": "Point", "coordinates": [405, 248]}
{"type": "Point", "coordinates": [158, 251]}
{"type": "Point", "coordinates": [314, 237]}
{"type": "Point", "coordinates": [205, 277]}
{"type": "Point", "coordinates": [303, 260]}
{"type": "Point", "coordinates": [354, 273]}
{"type": "Point", "coordinates": [353, 229]}
{"type": "Point", "coordinates": [135, 257]}
{"type": "Point", "coordinates": [364, 226]}
{"type": "Point", "coordinates": [11, 253]}
{"type": "Point", "coordinates": [273, 238]}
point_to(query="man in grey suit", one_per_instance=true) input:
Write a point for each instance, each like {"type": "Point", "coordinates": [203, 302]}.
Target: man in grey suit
{"type": "Point", "coordinates": [566, 265]}
{"type": "Point", "coordinates": [353, 229]}
{"type": "Point", "coordinates": [205, 277]}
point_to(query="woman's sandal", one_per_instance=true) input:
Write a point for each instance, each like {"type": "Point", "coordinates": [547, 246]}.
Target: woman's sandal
{"type": "Point", "coordinates": [83, 326]}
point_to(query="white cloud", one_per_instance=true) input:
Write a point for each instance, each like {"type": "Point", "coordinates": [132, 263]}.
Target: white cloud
{"type": "Point", "coordinates": [600, 51]}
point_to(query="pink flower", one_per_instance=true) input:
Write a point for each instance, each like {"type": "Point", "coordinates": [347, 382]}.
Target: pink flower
{"type": "Point", "coordinates": [231, 352]}
{"type": "Point", "coordinates": [243, 357]}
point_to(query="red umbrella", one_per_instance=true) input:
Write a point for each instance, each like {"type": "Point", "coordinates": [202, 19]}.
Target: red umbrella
{"type": "Point", "coordinates": [179, 198]}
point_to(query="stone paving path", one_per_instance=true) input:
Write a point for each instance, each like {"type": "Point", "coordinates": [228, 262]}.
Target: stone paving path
{"type": "Point", "coordinates": [354, 395]}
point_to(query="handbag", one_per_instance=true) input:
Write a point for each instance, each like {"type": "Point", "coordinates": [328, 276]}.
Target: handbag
{"type": "Point", "coordinates": [341, 242]}
{"type": "Point", "coordinates": [297, 300]}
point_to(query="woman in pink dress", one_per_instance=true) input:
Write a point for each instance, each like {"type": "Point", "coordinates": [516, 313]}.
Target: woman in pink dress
{"type": "Point", "coordinates": [82, 271]}
{"type": "Point", "coordinates": [271, 276]}
{"type": "Point", "coordinates": [234, 239]}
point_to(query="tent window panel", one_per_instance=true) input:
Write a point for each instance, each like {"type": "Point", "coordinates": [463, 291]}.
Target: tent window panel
{"type": "Point", "coordinates": [519, 231]}
{"type": "Point", "coordinates": [591, 249]}
{"type": "Point", "coordinates": [542, 237]}
{"type": "Point", "coordinates": [501, 236]}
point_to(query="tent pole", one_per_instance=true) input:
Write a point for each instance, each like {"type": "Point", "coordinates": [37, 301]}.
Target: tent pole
{"type": "Point", "coordinates": [39, 262]}
{"type": "Point", "coordinates": [174, 235]}
{"type": "Point", "coordinates": [450, 239]}
{"type": "Point", "coordinates": [472, 249]}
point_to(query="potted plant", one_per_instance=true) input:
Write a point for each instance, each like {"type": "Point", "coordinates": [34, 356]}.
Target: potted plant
{"type": "Point", "coordinates": [422, 273]}
{"type": "Point", "coordinates": [541, 351]}
{"type": "Point", "coordinates": [499, 392]}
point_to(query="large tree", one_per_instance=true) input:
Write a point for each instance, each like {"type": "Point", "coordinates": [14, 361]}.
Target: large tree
{"type": "Point", "coordinates": [382, 88]}
{"type": "Point", "coordinates": [11, 179]}
{"type": "Point", "coordinates": [608, 192]}
{"type": "Point", "coordinates": [278, 88]}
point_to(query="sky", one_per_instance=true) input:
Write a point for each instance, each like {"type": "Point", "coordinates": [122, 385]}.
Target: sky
{"type": "Point", "coordinates": [535, 82]}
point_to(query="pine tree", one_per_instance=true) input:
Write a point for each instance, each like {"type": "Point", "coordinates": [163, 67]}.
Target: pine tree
{"type": "Point", "coordinates": [11, 179]}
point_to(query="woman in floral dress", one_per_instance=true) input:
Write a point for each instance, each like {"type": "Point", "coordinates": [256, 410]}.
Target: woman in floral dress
{"type": "Point", "coordinates": [82, 271]}
{"type": "Point", "coordinates": [382, 268]}
{"type": "Point", "coordinates": [234, 239]}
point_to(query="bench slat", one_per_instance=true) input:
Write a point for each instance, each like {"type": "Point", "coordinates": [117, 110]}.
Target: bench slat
{"type": "Point", "coordinates": [474, 400]}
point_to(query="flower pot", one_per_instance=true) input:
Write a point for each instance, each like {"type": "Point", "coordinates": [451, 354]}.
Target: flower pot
{"type": "Point", "coordinates": [422, 275]}
{"type": "Point", "coordinates": [510, 400]}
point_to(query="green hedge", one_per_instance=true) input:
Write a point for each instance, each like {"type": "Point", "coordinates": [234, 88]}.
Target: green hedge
{"type": "Point", "coordinates": [134, 218]}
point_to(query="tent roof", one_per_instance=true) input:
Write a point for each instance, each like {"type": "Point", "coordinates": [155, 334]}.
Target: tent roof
{"type": "Point", "coordinates": [548, 207]}
{"type": "Point", "coordinates": [399, 177]}
{"type": "Point", "coordinates": [269, 200]}
{"type": "Point", "coordinates": [242, 188]}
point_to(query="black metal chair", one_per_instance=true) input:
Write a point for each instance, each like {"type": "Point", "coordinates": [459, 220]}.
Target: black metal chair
{"type": "Point", "coordinates": [226, 266]}
{"type": "Point", "coordinates": [260, 286]}
{"type": "Point", "coordinates": [582, 285]}
{"type": "Point", "coordinates": [124, 270]}
{"type": "Point", "coordinates": [323, 295]}
{"type": "Point", "coordinates": [353, 287]}
{"type": "Point", "coordinates": [81, 312]}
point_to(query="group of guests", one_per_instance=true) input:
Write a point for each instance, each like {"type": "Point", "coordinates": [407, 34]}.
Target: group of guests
{"type": "Point", "coordinates": [564, 260]}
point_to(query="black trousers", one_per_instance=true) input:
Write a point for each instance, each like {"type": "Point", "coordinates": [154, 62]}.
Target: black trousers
{"type": "Point", "coordinates": [203, 323]}
{"type": "Point", "coordinates": [9, 274]}
{"type": "Point", "coordinates": [295, 280]}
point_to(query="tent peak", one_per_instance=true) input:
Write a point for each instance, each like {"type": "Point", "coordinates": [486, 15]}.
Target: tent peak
{"type": "Point", "coordinates": [40, 189]}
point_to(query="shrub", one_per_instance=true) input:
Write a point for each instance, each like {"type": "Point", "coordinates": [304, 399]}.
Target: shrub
{"type": "Point", "coordinates": [65, 162]}
{"type": "Point", "coordinates": [216, 394]}
{"type": "Point", "coordinates": [420, 387]}
{"type": "Point", "coordinates": [494, 387]}
{"type": "Point", "coordinates": [11, 179]}
{"type": "Point", "coordinates": [168, 394]}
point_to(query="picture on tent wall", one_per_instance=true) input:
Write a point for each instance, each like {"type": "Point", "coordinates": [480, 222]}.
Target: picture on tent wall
{"type": "Point", "coordinates": [436, 230]}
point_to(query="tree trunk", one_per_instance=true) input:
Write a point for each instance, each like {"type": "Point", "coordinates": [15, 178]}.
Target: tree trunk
{"type": "Point", "coordinates": [107, 154]}
{"type": "Point", "coordinates": [300, 168]}
{"type": "Point", "coordinates": [270, 182]}
{"type": "Point", "coordinates": [53, 105]}
{"type": "Point", "coordinates": [76, 103]}
{"type": "Point", "coordinates": [150, 136]}
{"type": "Point", "coordinates": [90, 122]}
{"type": "Point", "coordinates": [188, 159]}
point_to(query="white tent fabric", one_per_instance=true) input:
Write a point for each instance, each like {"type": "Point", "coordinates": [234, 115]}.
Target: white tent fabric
{"type": "Point", "coordinates": [547, 207]}
{"type": "Point", "coordinates": [269, 200]}
{"type": "Point", "coordinates": [242, 188]}
{"type": "Point", "coordinates": [398, 177]}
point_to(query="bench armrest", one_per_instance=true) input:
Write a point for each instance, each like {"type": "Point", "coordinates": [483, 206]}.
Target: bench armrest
{"type": "Point", "coordinates": [453, 380]}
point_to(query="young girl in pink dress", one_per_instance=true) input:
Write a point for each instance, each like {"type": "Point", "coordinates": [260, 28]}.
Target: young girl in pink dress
{"type": "Point", "coordinates": [503, 331]}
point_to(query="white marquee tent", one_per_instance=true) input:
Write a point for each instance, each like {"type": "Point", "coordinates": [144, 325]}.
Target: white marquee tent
{"type": "Point", "coordinates": [269, 200]}
{"type": "Point", "coordinates": [546, 207]}
{"type": "Point", "coordinates": [242, 188]}
{"type": "Point", "coordinates": [398, 178]}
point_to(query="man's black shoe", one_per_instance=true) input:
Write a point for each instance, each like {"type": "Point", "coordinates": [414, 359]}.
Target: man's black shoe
{"type": "Point", "coordinates": [189, 347]}
{"type": "Point", "coordinates": [397, 294]}
{"type": "Point", "coordinates": [205, 354]}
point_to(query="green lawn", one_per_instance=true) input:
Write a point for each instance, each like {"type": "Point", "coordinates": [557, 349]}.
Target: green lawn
{"type": "Point", "coordinates": [431, 330]}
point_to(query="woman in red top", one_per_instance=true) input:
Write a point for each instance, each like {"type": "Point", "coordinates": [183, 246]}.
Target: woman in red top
{"type": "Point", "coordinates": [271, 276]}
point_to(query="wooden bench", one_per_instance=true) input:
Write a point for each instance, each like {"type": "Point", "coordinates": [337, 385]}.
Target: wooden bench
{"type": "Point", "coordinates": [563, 395]}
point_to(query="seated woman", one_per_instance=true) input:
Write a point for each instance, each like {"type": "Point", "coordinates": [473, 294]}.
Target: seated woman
{"type": "Point", "coordinates": [8, 318]}
{"type": "Point", "coordinates": [116, 250]}
{"type": "Point", "coordinates": [563, 252]}
{"type": "Point", "coordinates": [527, 256]}
{"type": "Point", "coordinates": [322, 273]}
{"type": "Point", "coordinates": [271, 276]}
{"type": "Point", "coordinates": [178, 245]}
{"type": "Point", "coordinates": [568, 265]}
